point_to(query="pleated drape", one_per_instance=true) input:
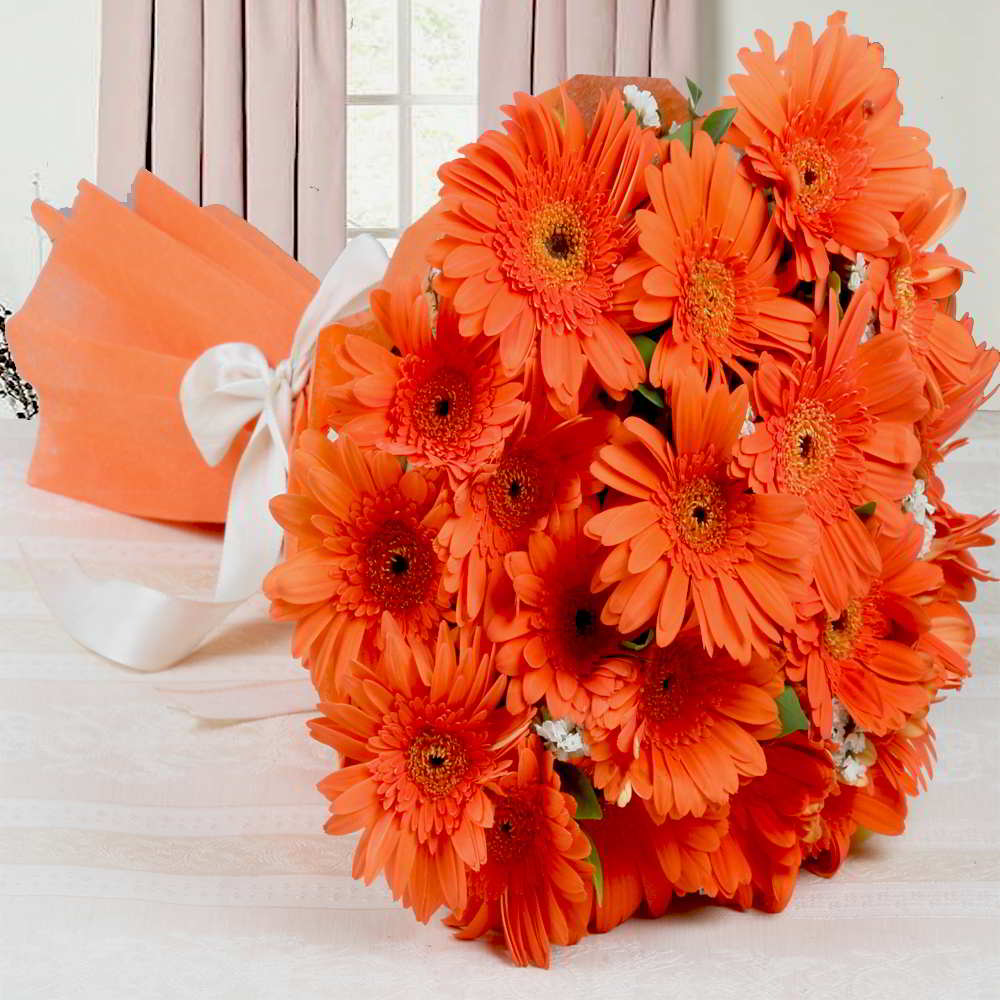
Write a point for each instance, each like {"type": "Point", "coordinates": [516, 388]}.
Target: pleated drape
{"type": "Point", "coordinates": [532, 45]}
{"type": "Point", "coordinates": [232, 102]}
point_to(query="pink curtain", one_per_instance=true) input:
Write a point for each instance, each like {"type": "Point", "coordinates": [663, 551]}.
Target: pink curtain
{"type": "Point", "coordinates": [532, 45]}
{"type": "Point", "coordinates": [235, 102]}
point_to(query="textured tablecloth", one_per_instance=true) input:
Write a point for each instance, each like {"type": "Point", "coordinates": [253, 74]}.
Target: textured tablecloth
{"type": "Point", "coordinates": [146, 855]}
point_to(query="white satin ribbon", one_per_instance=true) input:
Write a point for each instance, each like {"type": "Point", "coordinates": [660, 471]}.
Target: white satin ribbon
{"type": "Point", "coordinates": [223, 390]}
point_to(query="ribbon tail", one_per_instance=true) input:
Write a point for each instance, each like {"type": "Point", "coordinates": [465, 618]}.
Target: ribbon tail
{"type": "Point", "coordinates": [127, 622]}
{"type": "Point", "coordinates": [243, 702]}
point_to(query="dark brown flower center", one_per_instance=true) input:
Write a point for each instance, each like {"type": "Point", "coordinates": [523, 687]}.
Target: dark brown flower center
{"type": "Point", "coordinates": [443, 405]}
{"type": "Point", "coordinates": [699, 511]}
{"type": "Point", "coordinates": [516, 495]}
{"type": "Point", "coordinates": [436, 762]}
{"type": "Point", "coordinates": [514, 825]}
{"type": "Point", "coordinates": [807, 448]}
{"type": "Point", "coordinates": [400, 566]}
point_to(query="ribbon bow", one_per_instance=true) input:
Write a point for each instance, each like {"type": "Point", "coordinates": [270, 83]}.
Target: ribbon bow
{"type": "Point", "coordinates": [223, 390]}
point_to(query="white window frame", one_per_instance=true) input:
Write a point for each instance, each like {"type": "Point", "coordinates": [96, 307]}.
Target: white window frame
{"type": "Point", "coordinates": [405, 100]}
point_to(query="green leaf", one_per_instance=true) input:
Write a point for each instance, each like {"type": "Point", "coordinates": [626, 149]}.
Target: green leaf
{"type": "Point", "coordinates": [646, 346]}
{"type": "Point", "coordinates": [866, 510]}
{"type": "Point", "coordinates": [718, 122]}
{"type": "Point", "coordinates": [595, 859]}
{"type": "Point", "coordinates": [653, 395]}
{"type": "Point", "coordinates": [641, 642]}
{"type": "Point", "coordinates": [790, 712]}
{"type": "Point", "coordinates": [695, 91]}
{"type": "Point", "coordinates": [684, 133]}
{"type": "Point", "coordinates": [577, 784]}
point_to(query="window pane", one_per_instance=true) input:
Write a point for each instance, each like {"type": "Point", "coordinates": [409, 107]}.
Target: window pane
{"type": "Point", "coordinates": [371, 46]}
{"type": "Point", "coordinates": [445, 43]}
{"type": "Point", "coordinates": [437, 134]}
{"type": "Point", "coordinates": [372, 167]}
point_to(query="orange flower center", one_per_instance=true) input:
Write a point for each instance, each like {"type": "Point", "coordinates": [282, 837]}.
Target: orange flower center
{"type": "Point", "coordinates": [515, 823]}
{"type": "Point", "coordinates": [399, 566]}
{"type": "Point", "coordinates": [443, 406]}
{"type": "Point", "coordinates": [808, 447]}
{"type": "Point", "coordinates": [906, 297]}
{"type": "Point", "coordinates": [436, 762]}
{"type": "Point", "coordinates": [699, 511]}
{"type": "Point", "coordinates": [840, 635]}
{"type": "Point", "coordinates": [708, 304]}
{"type": "Point", "coordinates": [516, 495]}
{"type": "Point", "coordinates": [558, 242]}
{"type": "Point", "coordinates": [817, 175]}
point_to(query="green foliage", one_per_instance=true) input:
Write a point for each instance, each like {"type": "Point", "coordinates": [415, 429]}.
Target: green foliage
{"type": "Point", "coordinates": [866, 510]}
{"type": "Point", "coordinates": [646, 346]}
{"type": "Point", "coordinates": [790, 712]}
{"type": "Point", "coordinates": [684, 134]}
{"type": "Point", "coordinates": [718, 122]}
{"type": "Point", "coordinates": [653, 395]}
{"type": "Point", "coordinates": [641, 641]}
{"type": "Point", "coordinates": [695, 91]}
{"type": "Point", "coordinates": [595, 859]}
{"type": "Point", "coordinates": [577, 784]}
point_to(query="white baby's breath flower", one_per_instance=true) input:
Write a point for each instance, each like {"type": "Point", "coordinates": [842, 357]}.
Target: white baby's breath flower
{"type": "Point", "coordinates": [748, 422]}
{"type": "Point", "coordinates": [643, 104]}
{"type": "Point", "coordinates": [562, 738]}
{"type": "Point", "coordinates": [917, 504]}
{"type": "Point", "coordinates": [858, 274]}
{"type": "Point", "coordinates": [853, 753]}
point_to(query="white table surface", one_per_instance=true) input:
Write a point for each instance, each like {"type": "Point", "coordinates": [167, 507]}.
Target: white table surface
{"type": "Point", "coordinates": [146, 855]}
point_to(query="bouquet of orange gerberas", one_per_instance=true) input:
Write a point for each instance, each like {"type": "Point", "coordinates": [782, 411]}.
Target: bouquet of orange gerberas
{"type": "Point", "coordinates": [628, 573]}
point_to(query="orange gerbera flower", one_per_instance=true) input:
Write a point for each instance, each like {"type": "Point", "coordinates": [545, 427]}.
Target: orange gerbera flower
{"type": "Point", "coordinates": [543, 472]}
{"type": "Point", "coordinates": [913, 288]}
{"type": "Point", "coordinates": [534, 225]}
{"type": "Point", "coordinates": [901, 766]}
{"type": "Point", "coordinates": [711, 252]}
{"type": "Point", "coordinates": [646, 864]}
{"type": "Point", "coordinates": [427, 743]}
{"type": "Point", "coordinates": [535, 884]}
{"type": "Point", "coordinates": [685, 730]}
{"type": "Point", "coordinates": [365, 535]}
{"type": "Point", "coordinates": [821, 124]}
{"type": "Point", "coordinates": [684, 530]}
{"type": "Point", "coordinates": [955, 534]}
{"type": "Point", "coordinates": [770, 819]}
{"type": "Point", "coordinates": [866, 655]}
{"type": "Point", "coordinates": [948, 639]}
{"type": "Point", "coordinates": [937, 429]}
{"type": "Point", "coordinates": [432, 397]}
{"type": "Point", "coordinates": [837, 430]}
{"type": "Point", "coordinates": [548, 625]}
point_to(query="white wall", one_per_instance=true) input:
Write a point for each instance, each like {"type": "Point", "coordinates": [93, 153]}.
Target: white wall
{"type": "Point", "coordinates": [945, 53]}
{"type": "Point", "coordinates": [49, 51]}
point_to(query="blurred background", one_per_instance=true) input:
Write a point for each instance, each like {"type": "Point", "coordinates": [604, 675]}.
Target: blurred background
{"type": "Point", "coordinates": [410, 84]}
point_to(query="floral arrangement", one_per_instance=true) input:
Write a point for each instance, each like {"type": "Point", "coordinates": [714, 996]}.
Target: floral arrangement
{"type": "Point", "coordinates": [628, 573]}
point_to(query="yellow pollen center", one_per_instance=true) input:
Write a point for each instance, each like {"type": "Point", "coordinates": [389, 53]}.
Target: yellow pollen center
{"type": "Point", "coordinates": [841, 633]}
{"type": "Point", "coordinates": [515, 494]}
{"type": "Point", "coordinates": [700, 515]}
{"type": "Point", "coordinates": [817, 175]}
{"type": "Point", "coordinates": [436, 762]}
{"type": "Point", "coordinates": [514, 824]}
{"type": "Point", "coordinates": [906, 297]}
{"type": "Point", "coordinates": [709, 301]}
{"type": "Point", "coordinates": [442, 407]}
{"type": "Point", "coordinates": [399, 567]}
{"type": "Point", "coordinates": [558, 241]}
{"type": "Point", "coordinates": [808, 447]}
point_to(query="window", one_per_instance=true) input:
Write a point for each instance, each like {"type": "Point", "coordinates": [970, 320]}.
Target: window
{"type": "Point", "coordinates": [411, 102]}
